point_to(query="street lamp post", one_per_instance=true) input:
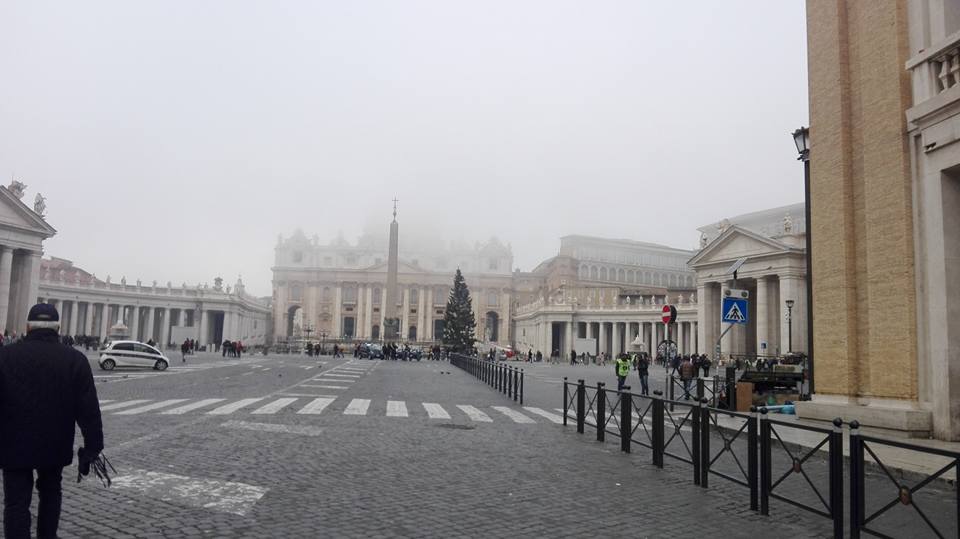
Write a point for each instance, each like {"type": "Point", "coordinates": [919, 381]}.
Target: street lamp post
{"type": "Point", "coordinates": [801, 138]}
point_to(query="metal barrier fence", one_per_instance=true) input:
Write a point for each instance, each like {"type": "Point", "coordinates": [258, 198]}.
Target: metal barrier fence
{"type": "Point", "coordinates": [752, 453]}
{"type": "Point", "coordinates": [504, 378]}
{"type": "Point", "coordinates": [860, 447]}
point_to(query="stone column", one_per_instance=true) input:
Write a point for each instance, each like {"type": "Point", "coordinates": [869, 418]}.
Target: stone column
{"type": "Point", "coordinates": [405, 317]}
{"type": "Point", "coordinates": [104, 320]}
{"type": "Point", "coordinates": [602, 344]}
{"type": "Point", "coordinates": [421, 315]}
{"type": "Point", "coordinates": [762, 322]}
{"type": "Point", "coordinates": [6, 272]}
{"type": "Point", "coordinates": [135, 322]}
{"type": "Point", "coordinates": [615, 348]}
{"type": "Point", "coordinates": [88, 319]}
{"type": "Point", "coordinates": [793, 287]}
{"type": "Point", "coordinates": [31, 276]}
{"type": "Point", "coordinates": [165, 313]}
{"type": "Point", "coordinates": [428, 316]}
{"type": "Point", "coordinates": [337, 319]}
{"type": "Point", "coordinates": [203, 332]}
{"type": "Point", "coordinates": [74, 314]}
{"type": "Point", "coordinates": [368, 329]}
{"type": "Point", "coordinates": [151, 323]}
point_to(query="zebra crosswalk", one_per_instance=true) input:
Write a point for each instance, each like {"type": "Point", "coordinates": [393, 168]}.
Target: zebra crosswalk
{"type": "Point", "coordinates": [317, 405]}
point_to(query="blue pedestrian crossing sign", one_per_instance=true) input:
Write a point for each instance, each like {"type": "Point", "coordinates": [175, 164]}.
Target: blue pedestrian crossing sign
{"type": "Point", "coordinates": [734, 310]}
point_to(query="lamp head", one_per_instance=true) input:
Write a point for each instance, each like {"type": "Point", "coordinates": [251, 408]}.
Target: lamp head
{"type": "Point", "coordinates": [789, 303]}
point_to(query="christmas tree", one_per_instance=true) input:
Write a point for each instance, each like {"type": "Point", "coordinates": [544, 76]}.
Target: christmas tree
{"type": "Point", "coordinates": [458, 321]}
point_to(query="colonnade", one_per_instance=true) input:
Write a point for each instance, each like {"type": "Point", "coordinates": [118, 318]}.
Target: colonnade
{"type": "Point", "coordinates": [19, 282]}
{"type": "Point", "coordinates": [612, 338]}
{"type": "Point", "coordinates": [145, 323]}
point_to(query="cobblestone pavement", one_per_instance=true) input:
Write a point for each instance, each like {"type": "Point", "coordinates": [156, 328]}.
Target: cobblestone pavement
{"type": "Point", "coordinates": [292, 446]}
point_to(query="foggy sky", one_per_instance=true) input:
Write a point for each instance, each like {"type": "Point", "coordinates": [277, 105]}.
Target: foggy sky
{"type": "Point", "coordinates": [175, 140]}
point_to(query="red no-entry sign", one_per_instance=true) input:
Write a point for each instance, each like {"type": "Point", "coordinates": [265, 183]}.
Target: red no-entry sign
{"type": "Point", "coordinates": [669, 314]}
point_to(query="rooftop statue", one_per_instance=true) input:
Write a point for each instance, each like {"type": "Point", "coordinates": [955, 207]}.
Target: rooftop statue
{"type": "Point", "coordinates": [17, 188]}
{"type": "Point", "coordinates": [39, 205]}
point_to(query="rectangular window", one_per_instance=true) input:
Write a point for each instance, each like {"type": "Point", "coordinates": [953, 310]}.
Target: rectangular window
{"type": "Point", "coordinates": [494, 264]}
{"type": "Point", "coordinates": [327, 261]}
{"type": "Point", "coordinates": [351, 260]}
{"type": "Point", "coordinates": [297, 257]}
{"type": "Point", "coordinates": [493, 300]}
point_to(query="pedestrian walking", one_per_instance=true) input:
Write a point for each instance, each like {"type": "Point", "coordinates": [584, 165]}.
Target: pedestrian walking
{"type": "Point", "coordinates": [622, 366]}
{"type": "Point", "coordinates": [643, 370]}
{"type": "Point", "coordinates": [687, 373]}
{"type": "Point", "coordinates": [184, 350]}
{"type": "Point", "coordinates": [705, 364]}
{"type": "Point", "coordinates": [573, 357]}
{"type": "Point", "coordinates": [45, 388]}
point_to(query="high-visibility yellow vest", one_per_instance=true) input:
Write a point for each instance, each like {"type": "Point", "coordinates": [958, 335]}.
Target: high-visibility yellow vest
{"type": "Point", "coordinates": [623, 367]}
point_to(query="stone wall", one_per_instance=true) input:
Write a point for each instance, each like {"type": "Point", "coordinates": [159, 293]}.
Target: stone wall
{"type": "Point", "coordinates": [863, 266]}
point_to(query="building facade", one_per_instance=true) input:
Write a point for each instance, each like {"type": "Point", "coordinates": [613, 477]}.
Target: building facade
{"type": "Point", "coordinates": [338, 291]}
{"type": "Point", "coordinates": [607, 293]}
{"type": "Point", "coordinates": [166, 314]}
{"type": "Point", "coordinates": [774, 273]}
{"type": "Point", "coordinates": [884, 84]}
{"type": "Point", "coordinates": [22, 232]}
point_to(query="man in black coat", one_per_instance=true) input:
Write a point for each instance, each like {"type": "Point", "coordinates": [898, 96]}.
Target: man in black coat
{"type": "Point", "coordinates": [45, 387]}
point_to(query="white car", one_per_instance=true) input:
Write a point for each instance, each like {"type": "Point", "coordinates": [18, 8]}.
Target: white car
{"type": "Point", "coordinates": [132, 354]}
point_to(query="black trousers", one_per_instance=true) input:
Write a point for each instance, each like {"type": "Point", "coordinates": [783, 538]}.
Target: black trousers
{"type": "Point", "coordinates": [17, 493]}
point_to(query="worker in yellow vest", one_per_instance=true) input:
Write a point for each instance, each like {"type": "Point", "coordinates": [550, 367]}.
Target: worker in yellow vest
{"type": "Point", "coordinates": [623, 369]}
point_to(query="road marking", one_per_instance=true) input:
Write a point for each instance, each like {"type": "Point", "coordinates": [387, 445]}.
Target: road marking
{"type": "Point", "coordinates": [397, 409]}
{"type": "Point", "coordinates": [274, 427]}
{"type": "Point", "coordinates": [516, 416]}
{"type": "Point", "coordinates": [435, 411]}
{"type": "Point", "coordinates": [220, 496]}
{"type": "Point", "coordinates": [332, 380]}
{"type": "Point", "coordinates": [474, 413]}
{"type": "Point", "coordinates": [192, 406]}
{"type": "Point", "coordinates": [323, 387]}
{"type": "Point", "coordinates": [104, 401]}
{"type": "Point", "coordinates": [148, 407]}
{"type": "Point", "coordinates": [317, 405]}
{"type": "Point", "coordinates": [274, 406]}
{"type": "Point", "coordinates": [357, 407]}
{"type": "Point", "coordinates": [543, 413]}
{"type": "Point", "coordinates": [124, 404]}
{"type": "Point", "coordinates": [335, 375]}
{"type": "Point", "coordinates": [247, 373]}
{"type": "Point", "coordinates": [233, 406]}
{"type": "Point", "coordinates": [265, 370]}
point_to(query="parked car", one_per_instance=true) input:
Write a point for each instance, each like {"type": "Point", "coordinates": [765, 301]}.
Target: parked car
{"type": "Point", "coordinates": [132, 354]}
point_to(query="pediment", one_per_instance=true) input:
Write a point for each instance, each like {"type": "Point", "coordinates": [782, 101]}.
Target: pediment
{"type": "Point", "coordinates": [15, 214]}
{"type": "Point", "coordinates": [737, 242]}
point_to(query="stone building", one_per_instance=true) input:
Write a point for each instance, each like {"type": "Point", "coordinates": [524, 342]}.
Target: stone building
{"type": "Point", "coordinates": [608, 290]}
{"type": "Point", "coordinates": [884, 80]}
{"type": "Point", "coordinates": [164, 313]}
{"type": "Point", "coordinates": [338, 290]}
{"type": "Point", "coordinates": [773, 243]}
{"type": "Point", "coordinates": [22, 232]}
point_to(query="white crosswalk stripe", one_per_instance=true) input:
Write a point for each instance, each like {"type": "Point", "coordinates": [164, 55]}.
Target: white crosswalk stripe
{"type": "Point", "coordinates": [435, 411]}
{"type": "Point", "coordinates": [233, 406]}
{"type": "Point", "coordinates": [474, 413]}
{"type": "Point", "coordinates": [397, 409]}
{"type": "Point", "coordinates": [149, 407]}
{"type": "Point", "coordinates": [543, 413]}
{"type": "Point", "coordinates": [323, 387]}
{"type": "Point", "coordinates": [334, 375]}
{"type": "Point", "coordinates": [516, 416]}
{"type": "Point", "coordinates": [357, 407]}
{"type": "Point", "coordinates": [275, 406]}
{"type": "Point", "coordinates": [124, 404]}
{"type": "Point", "coordinates": [104, 401]}
{"type": "Point", "coordinates": [180, 410]}
{"type": "Point", "coordinates": [317, 405]}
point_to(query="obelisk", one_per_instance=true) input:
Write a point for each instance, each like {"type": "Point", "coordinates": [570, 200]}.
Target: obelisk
{"type": "Point", "coordinates": [391, 322]}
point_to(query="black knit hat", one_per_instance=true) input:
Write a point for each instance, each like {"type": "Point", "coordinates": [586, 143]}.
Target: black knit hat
{"type": "Point", "coordinates": [43, 315]}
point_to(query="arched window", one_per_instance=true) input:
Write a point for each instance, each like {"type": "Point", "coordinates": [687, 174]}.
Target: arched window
{"type": "Point", "coordinates": [621, 276]}
{"type": "Point", "coordinates": [594, 273]}
{"type": "Point", "coordinates": [376, 298]}
{"type": "Point", "coordinates": [326, 293]}
{"type": "Point", "coordinates": [603, 274]}
{"type": "Point", "coordinates": [414, 296]}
